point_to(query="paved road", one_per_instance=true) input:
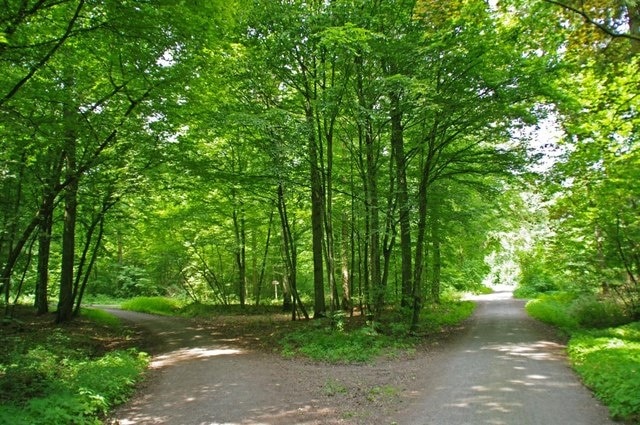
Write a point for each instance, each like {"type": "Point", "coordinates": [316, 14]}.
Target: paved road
{"type": "Point", "coordinates": [504, 369]}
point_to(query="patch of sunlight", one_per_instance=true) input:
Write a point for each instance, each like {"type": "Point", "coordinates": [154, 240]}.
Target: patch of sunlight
{"type": "Point", "coordinates": [615, 343]}
{"type": "Point", "coordinates": [497, 407]}
{"type": "Point", "coordinates": [537, 377]}
{"type": "Point", "coordinates": [185, 354]}
{"type": "Point", "coordinates": [520, 382]}
{"type": "Point", "coordinates": [541, 350]}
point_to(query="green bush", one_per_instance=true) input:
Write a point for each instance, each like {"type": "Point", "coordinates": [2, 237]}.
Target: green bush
{"type": "Point", "coordinates": [608, 360]}
{"type": "Point", "coordinates": [591, 312]}
{"type": "Point", "coordinates": [153, 305]}
{"type": "Point", "coordinates": [554, 309]}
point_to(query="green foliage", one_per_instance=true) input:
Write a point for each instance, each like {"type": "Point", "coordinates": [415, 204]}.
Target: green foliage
{"type": "Point", "coordinates": [70, 390]}
{"type": "Point", "coordinates": [553, 309]}
{"type": "Point", "coordinates": [153, 305]}
{"type": "Point", "coordinates": [570, 311]}
{"type": "Point", "coordinates": [58, 380]}
{"type": "Point", "coordinates": [608, 361]}
{"type": "Point", "coordinates": [320, 341]}
{"type": "Point", "coordinates": [592, 312]}
{"type": "Point", "coordinates": [535, 275]}
{"type": "Point", "coordinates": [124, 282]}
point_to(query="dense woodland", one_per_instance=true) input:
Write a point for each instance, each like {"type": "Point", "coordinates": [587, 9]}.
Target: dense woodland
{"type": "Point", "coordinates": [340, 155]}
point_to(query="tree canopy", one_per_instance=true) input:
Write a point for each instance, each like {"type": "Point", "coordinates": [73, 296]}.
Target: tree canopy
{"type": "Point", "coordinates": [337, 155]}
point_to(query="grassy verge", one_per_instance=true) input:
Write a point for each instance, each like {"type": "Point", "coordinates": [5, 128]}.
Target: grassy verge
{"type": "Point", "coordinates": [153, 305]}
{"type": "Point", "coordinates": [605, 353]}
{"type": "Point", "coordinates": [352, 340]}
{"type": "Point", "coordinates": [65, 375]}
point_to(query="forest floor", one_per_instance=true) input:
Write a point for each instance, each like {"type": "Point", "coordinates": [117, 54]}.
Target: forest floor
{"type": "Point", "coordinates": [500, 367]}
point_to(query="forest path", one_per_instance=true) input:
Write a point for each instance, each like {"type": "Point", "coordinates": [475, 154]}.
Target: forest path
{"type": "Point", "coordinates": [502, 368]}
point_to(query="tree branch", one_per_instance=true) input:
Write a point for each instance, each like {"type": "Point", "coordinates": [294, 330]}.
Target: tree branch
{"type": "Point", "coordinates": [589, 20]}
{"type": "Point", "coordinates": [46, 57]}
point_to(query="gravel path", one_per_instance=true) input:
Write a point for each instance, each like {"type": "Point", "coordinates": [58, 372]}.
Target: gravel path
{"type": "Point", "coordinates": [505, 368]}
{"type": "Point", "coordinates": [502, 368]}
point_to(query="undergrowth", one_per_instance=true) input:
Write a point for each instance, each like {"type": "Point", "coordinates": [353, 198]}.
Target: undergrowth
{"type": "Point", "coordinates": [603, 350]}
{"type": "Point", "coordinates": [63, 375]}
{"type": "Point", "coordinates": [608, 360]}
{"type": "Point", "coordinates": [352, 340]}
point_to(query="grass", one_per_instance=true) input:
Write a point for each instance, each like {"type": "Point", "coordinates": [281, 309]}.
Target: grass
{"type": "Point", "coordinates": [603, 351]}
{"type": "Point", "coordinates": [153, 305]}
{"type": "Point", "coordinates": [72, 374]}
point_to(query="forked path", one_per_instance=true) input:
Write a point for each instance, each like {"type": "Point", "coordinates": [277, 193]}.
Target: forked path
{"type": "Point", "coordinates": [502, 368]}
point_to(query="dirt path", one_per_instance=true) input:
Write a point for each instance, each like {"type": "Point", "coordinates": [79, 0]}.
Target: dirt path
{"type": "Point", "coordinates": [502, 368]}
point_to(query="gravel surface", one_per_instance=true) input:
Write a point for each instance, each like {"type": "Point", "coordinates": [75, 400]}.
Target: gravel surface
{"type": "Point", "coordinates": [501, 367]}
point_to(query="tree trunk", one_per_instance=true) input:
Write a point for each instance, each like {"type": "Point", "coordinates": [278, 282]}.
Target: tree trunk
{"type": "Point", "coordinates": [319, 308]}
{"type": "Point", "coordinates": [44, 250]}
{"type": "Point", "coordinates": [436, 251]}
{"type": "Point", "coordinates": [65, 300]}
{"type": "Point", "coordinates": [263, 266]}
{"type": "Point", "coordinates": [290, 258]}
{"type": "Point", "coordinates": [397, 144]}
{"type": "Point", "coordinates": [347, 304]}
{"type": "Point", "coordinates": [80, 287]}
{"type": "Point", "coordinates": [241, 236]}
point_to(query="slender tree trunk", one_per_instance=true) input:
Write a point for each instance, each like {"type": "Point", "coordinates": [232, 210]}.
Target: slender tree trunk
{"type": "Point", "coordinates": [65, 300]}
{"type": "Point", "coordinates": [263, 266]}
{"type": "Point", "coordinates": [239, 227]}
{"type": "Point", "coordinates": [44, 251]}
{"type": "Point", "coordinates": [389, 239]}
{"type": "Point", "coordinates": [347, 304]}
{"type": "Point", "coordinates": [319, 308]}
{"type": "Point", "coordinates": [397, 143]}
{"type": "Point", "coordinates": [436, 251]}
{"type": "Point", "coordinates": [92, 260]}
{"type": "Point", "coordinates": [290, 257]}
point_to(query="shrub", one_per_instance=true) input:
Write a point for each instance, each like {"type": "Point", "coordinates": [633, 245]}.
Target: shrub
{"type": "Point", "coordinates": [591, 312]}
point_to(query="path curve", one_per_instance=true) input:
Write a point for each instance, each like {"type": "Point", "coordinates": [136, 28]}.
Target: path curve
{"type": "Point", "coordinates": [199, 377]}
{"type": "Point", "coordinates": [502, 368]}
